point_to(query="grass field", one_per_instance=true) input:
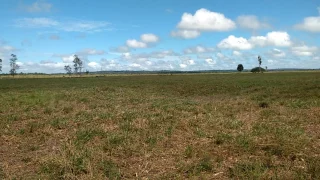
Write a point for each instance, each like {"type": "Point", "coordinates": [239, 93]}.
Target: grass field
{"type": "Point", "coordinates": [204, 126]}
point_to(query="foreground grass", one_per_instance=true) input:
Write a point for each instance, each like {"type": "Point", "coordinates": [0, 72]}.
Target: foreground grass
{"type": "Point", "coordinates": [222, 126]}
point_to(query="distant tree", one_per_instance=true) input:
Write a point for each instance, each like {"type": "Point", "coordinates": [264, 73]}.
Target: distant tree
{"type": "Point", "coordinates": [257, 70]}
{"type": "Point", "coordinates": [68, 69]}
{"type": "Point", "coordinates": [240, 67]}
{"type": "Point", "coordinates": [266, 68]}
{"type": "Point", "coordinates": [0, 65]}
{"type": "Point", "coordinates": [87, 72]}
{"type": "Point", "coordinates": [13, 64]}
{"type": "Point", "coordinates": [260, 61]}
{"type": "Point", "coordinates": [77, 65]}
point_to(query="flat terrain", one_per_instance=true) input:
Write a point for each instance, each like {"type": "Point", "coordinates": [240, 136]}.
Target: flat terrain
{"type": "Point", "coordinates": [209, 126]}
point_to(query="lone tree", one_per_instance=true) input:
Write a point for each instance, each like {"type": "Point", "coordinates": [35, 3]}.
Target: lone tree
{"type": "Point", "coordinates": [0, 65]}
{"type": "Point", "coordinates": [13, 64]}
{"type": "Point", "coordinates": [68, 69]}
{"type": "Point", "coordinates": [77, 65]}
{"type": "Point", "coordinates": [260, 61]}
{"type": "Point", "coordinates": [240, 67]}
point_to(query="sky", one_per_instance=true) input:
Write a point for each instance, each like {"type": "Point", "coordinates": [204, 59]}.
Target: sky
{"type": "Point", "coordinates": [152, 35]}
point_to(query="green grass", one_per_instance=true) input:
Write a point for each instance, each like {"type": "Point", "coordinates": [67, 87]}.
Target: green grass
{"type": "Point", "coordinates": [200, 126]}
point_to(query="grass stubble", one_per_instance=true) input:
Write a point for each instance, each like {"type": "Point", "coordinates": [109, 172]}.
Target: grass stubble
{"type": "Point", "coordinates": [205, 126]}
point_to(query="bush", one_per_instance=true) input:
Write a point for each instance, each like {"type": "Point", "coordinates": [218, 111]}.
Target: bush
{"type": "Point", "coordinates": [257, 69]}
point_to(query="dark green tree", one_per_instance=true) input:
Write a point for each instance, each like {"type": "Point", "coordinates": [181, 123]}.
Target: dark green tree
{"type": "Point", "coordinates": [77, 65]}
{"type": "Point", "coordinates": [240, 67]}
{"type": "Point", "coordinates": [0, 65]}
{"type": "Point", "coordinates": [260, 61]}
{"type": "Point", "coordinates": [68, 69]}
{"type": "Point", "coordinates": [13, 64]}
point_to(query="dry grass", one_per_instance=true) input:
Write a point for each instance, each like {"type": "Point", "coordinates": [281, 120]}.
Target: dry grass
{"type": "Point", "coordinates": [216, 126]}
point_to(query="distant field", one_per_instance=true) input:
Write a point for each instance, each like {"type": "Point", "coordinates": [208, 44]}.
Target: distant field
{"type": "Point", "coordinates": [209, 126]}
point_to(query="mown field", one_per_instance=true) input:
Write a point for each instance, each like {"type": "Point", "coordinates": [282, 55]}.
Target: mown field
{"type": "Point", "coordinates": [204, 126]}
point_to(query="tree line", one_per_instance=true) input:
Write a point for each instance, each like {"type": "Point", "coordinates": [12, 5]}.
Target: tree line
{"type": "Point", "coordinates": [254, 70]}
{"type": "Point", "coordinates": [78, 66]}
{"type": "Point", "coordinates": [77, 63]}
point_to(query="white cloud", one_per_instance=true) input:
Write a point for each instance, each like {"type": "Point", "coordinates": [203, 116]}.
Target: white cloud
{"type": "Point", "coordinates": [251, 22]}
{"type": "Point", "coordinates": [149, 38]}
{"type": "Point", "coordinates": [67, 59]}
{"type": "Point", "coordinates": [277, 53]}
{"type": "Point", "coordinates": [69, 26]}
{"type": "Point", "coordinates": [38, 6]}
{"type": "Point", "coordinates": [236, 53]}
{"type": "Point", "coordinates": [205, 20]}
{"type": "Point", "coordinates": [186, 34]}
{"type": "Point", "coordinates": [183, 66]}
{"type": "Point", "coordinates": [304, 50]}
{"type": "Point", "coordinates": [274, 38]}
{"type": "Point", "coordinates": [198, 50]}
{"type": "Point", "coordinates": [233, 42]}
{"type": "Point", "coordinates": [210, 61]}
{"type": "Point", "coordinates": [94, 65]}
{"type": "Point", "coordinates": [135, 65]}
{"type": "Point", "coordinates": [145, 41]}
{"type": "Point", "coordinates": [310, 24]}
{"type": "Point", "coordinates": [132, 43]}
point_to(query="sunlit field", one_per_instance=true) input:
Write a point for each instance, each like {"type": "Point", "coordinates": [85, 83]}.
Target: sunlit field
{"type": "Point", "coordinates": [209, 126]}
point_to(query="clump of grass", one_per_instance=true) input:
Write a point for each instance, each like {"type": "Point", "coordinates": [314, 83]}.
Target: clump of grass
{"type": "Point", "coordinates": [59, 123]}
{"type": "Point", "coordinates": [247, 170]}
{"type": "Point", "coordinates": [53, 169]}
{"type": "Point", "coordinates": [188, 153]}
{"type": "Point", "coordinates": [110, 169]}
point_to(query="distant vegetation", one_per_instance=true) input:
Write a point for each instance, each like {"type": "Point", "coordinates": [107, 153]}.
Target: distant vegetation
{"type": "Point", "coordinates": [258, 70]}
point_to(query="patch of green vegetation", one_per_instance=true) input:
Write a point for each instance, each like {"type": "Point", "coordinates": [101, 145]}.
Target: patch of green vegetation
{"type": "Point", "coordinates": [196, 126]}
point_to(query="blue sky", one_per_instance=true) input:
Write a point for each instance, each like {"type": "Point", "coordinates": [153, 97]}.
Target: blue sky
{"type": "Point", "coordinates": [159, 34]}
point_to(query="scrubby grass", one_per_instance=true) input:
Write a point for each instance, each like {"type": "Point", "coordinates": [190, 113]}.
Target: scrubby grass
{"type": "Point", "coordinates": [209, 126]}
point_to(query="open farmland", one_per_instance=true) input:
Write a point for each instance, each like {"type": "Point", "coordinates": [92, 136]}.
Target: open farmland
{"type": "Point", "coordinates": [209, 126]}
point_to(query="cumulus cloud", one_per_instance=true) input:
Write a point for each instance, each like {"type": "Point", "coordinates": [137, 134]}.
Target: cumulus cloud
{"type": "Point", "coordinates": [132, 43]}
{"type": "Point", "coordinates": [94, 65]}
{"type": "Point", "coordinates": [233, 42]}
{"type": "Point", "coordinates": [36, 7]}
{"type": "Point", "coordinates": [186, 34]}
{"type": "Point", "coordinates": [276, 53]}
{"type": "Point", "coordinates": [304, 50]}
{"type": "Point", "coordinates": [205, 20]}
{"type": "Point", "coordinates": [210, 61]}
{"type": "Point", "coordinates": [198, 50]}
{"type": "Point", "coordinates": [274, 38]}
{"type": "Point", "coordinates": [149, 38]}
{"type": "Point", "coordinates": [63, 25]}
{"type": "Point", "coordinates": [191, 26]}
{"type": "Point", "coordinates": [309, 24]}
{"type": "Point", "coordinates": [236, 53]}
{"type": "Point", "coordinates": [251, 22]}
{"type": "Point", "coordinates": [145, 41]}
